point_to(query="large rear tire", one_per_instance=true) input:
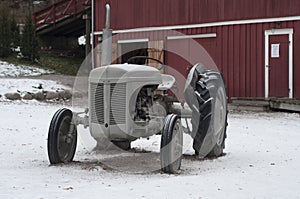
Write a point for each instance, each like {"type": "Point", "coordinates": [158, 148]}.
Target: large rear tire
{"type": "Point", "coordinates": [171, 144]}
{"type": "Point", "coordinates": [219, 114]}
{"type": "Point", "coordinates": [62, 137]}
{"type": "Point", "coordinates": [206, 95]}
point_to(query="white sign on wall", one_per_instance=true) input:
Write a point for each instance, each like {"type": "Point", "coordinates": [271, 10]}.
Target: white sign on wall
{"type": "Point", "coordinates": [275, 50]}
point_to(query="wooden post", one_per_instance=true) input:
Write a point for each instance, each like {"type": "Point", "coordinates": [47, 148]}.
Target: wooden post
{"type": "Point", "coordinates": [87, 19]}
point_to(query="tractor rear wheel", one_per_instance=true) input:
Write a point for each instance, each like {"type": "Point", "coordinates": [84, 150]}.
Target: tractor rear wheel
{"type": "Point", "coordinates": [206, 95]}
{"type": "Point", "coordinates": [62, 137]}
{"type": "Point", "coordinates": [171, 144]}
{"type": "Point", "coordinates": [219, 121]}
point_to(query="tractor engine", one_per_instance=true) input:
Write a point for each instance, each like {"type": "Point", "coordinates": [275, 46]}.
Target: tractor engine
{"type": "Point", "coordinates": [144, 102]}
{"type": "Point", "coordinates": [121, 102]}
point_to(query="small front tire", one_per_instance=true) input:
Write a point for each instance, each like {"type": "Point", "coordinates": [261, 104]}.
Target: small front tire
{"type": "Point", "coordinates": [62, 137]}
{"type": "Point", "coordinates": [171, 144]}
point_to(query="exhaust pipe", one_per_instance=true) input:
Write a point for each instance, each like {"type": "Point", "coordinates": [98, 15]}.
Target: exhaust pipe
{"type": "Point", "coordinates": [106, 40]}
{"type": "Point", "coordinates": [107, 22]}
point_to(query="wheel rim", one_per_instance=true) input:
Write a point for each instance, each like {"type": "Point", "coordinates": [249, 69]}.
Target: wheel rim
{"type": "Point", "coordinates": [219, 116]}
{"type": "Point", "coordinates": [65, 139]}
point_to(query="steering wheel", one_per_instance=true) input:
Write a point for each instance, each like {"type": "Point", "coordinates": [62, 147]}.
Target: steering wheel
{"type": "Point", "coordinates": [146, 58]}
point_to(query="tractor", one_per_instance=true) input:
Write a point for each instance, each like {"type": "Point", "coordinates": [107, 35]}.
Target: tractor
{"type": "Point", "coordinates": [131, 101]}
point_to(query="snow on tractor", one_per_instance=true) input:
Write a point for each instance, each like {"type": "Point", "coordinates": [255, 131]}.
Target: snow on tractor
{"type": "Point", "coordinates": [130, 101]}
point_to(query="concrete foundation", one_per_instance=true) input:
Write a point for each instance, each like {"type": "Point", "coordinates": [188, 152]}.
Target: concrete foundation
{"type": "Point", "coordinates": [263, 104]}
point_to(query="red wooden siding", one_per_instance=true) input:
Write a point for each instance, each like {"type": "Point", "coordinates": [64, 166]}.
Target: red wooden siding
{"type": "Point", "coordinates": [296, 60]}
{"type": "Point", "coordinates": [238, 50]}
{"type": "Point", "coordinates": [148, 13]}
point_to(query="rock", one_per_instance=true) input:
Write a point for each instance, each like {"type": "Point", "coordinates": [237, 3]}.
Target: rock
{"type": "Point", "coordinates": [40, 96]}
{"type": "Point", "coordinates": [50, 95]}
{"type": "Point", "coordinates": [13, 96]}
{"type": "Point", "coordinates": [28, 96]}
{"type": "Point", "coordinates": [65, 94]}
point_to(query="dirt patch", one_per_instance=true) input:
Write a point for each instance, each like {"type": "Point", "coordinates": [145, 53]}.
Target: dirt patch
{"type": "Point", "coordinates": [132, 162]}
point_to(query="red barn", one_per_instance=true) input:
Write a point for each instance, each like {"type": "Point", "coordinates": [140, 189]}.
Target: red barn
{"type": "Point", "coordinates": [253, 42]}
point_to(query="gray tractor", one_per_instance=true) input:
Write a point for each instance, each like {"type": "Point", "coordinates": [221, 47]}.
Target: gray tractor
{"type": "Point", "coordinates": [130, 101]}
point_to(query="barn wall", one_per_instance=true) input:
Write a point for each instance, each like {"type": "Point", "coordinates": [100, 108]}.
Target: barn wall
{"type": "Point", "coordinates": [148, 13]}
{"type": "Point", "coordinates": [241, 57]}
{"type": "Point", "coordinates": [296, 60]}
{"type": "Point", "coordinates": [239, 49]}
{"type": "Point", "coordinates": [238, 53]}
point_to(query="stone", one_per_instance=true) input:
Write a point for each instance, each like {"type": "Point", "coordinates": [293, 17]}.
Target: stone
{"type": "Point", "coordinates": [65, 94]}
{"type": "Point", "coordinates": [50, 95]}
{"type": "Point", "coordinates": [28, 96]}
{"type": "Point", "coordinates": [13, 96]}
{"type": "Point", "coordinates": [40, 96]}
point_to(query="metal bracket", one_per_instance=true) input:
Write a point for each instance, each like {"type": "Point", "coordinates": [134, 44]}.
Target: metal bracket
{"type": "Point", "coordinates": [77, 120]}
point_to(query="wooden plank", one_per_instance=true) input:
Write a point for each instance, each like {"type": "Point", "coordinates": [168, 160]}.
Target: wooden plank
{"type": "Point", "coordinates": [114, 56]}
{"type": "Point", "coordinates": [278, 105]}
{"type": "Point", "coordinates": [156, 51]}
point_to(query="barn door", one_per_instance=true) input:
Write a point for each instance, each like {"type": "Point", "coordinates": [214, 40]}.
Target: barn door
{"type": "Point", "coordinates": [279, 66]}
{"type": "Point", "coordinates": [279, 63]}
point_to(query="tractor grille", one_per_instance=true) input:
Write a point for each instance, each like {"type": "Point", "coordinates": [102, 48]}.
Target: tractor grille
{"type": "Point", "coordinates": [117, 104]}
{"type": "Point", "coordinates": [97, 103]}
{"type": "Point", "coordinates": [117, 109]}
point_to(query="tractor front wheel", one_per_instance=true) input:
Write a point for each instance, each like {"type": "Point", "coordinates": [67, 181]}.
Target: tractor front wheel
{"type": "Point", "coordinates": [171, 144]}
{"type": "Point", "coordinates": [62, 137]}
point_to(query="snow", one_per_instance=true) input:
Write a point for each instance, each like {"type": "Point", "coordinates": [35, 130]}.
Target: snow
{"type": "Point", "coordinates": [12, 70]}
{"type": "Point", "coordinates": [9, 85]}
{"type": "Point", "coordinates": [261, 161]}
{"type": "Point", "coordinates": [16, 78]}
{"type": "Point", "coordinates": [262, 157]}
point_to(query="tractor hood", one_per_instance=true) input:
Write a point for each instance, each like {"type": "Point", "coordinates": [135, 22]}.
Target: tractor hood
{"type": "Point", "coordinates": [125, 73]}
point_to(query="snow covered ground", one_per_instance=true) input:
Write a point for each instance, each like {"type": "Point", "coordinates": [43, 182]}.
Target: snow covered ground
{"type": "Point", "coordinates": [16, 78]}
{"type": "Point", "coordinates": [262, 158]}
{"type": "Point", "coordinates": [12, 70]}
{"type": "Point", "coordinates": [262, 161]}
{"type": "Point", "coordinates": [8, 85]}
